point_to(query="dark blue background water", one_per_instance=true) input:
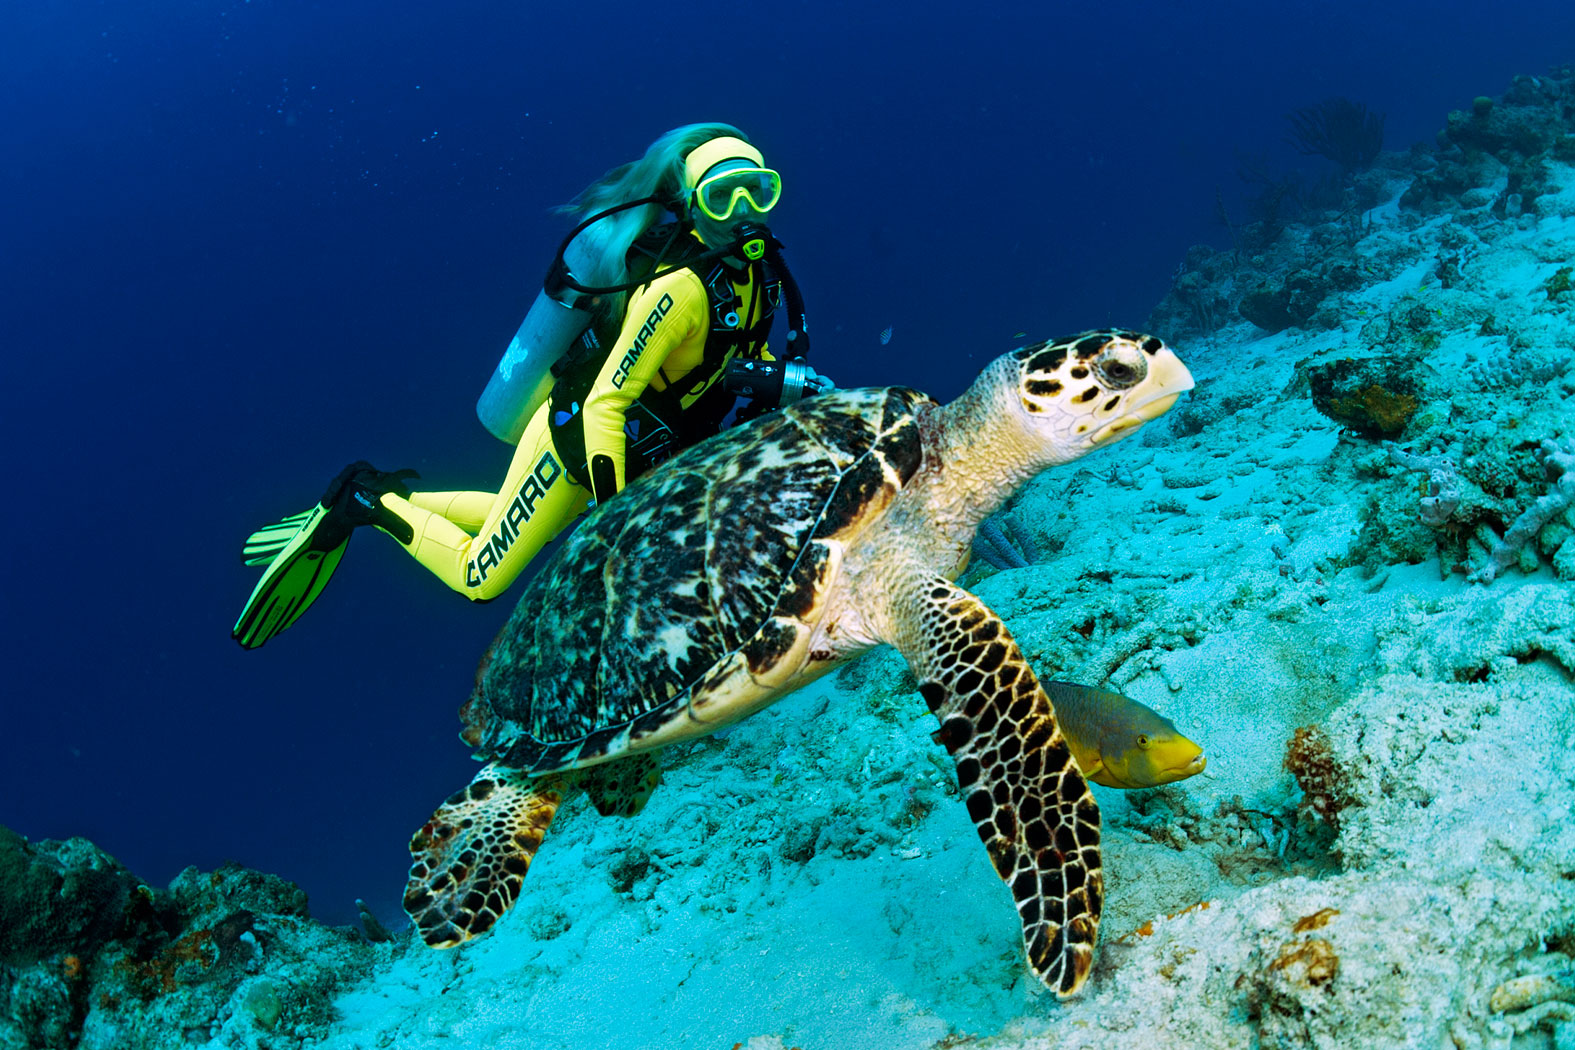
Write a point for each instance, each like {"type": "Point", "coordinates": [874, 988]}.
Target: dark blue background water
{"type": "Point", "coordinates": [245, 243]}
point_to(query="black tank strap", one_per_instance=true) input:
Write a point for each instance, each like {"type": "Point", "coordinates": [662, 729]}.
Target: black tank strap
{"type": "Point", "coordinates": [796, 344]}
{"type": "Point", "coordinates": [666, 243]}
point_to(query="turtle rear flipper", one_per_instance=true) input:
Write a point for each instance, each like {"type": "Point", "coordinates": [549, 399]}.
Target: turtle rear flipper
{"type": "Point", "coordinates": [1028, 800]}
{"type": "Point", "coordinates": [622, 788]}
{"type": "Point", "coordinates": [470, 858]}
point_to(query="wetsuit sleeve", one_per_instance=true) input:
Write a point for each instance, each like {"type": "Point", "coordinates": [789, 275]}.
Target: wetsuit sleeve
{"type": "Point", "coordinates": [669, 312]}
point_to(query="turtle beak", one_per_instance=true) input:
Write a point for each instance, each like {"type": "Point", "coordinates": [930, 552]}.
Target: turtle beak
{"type": "Point", "coordinates": [1166, 381]}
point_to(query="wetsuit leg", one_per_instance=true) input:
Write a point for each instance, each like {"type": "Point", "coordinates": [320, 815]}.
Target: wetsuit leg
{"type": "Point", "coordinates": [468, 510]}
{"type": "Point", "coordinates": [537, 500]}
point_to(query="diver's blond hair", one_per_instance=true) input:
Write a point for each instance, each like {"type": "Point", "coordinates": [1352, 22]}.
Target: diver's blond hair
{"type": "Point", "coordinates": [660, 173]}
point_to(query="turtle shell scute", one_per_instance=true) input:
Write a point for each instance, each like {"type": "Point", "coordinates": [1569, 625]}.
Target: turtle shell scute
{"type": "Point", "coordinates": [769, 645]}
{"type": "Point", "coordinates": [689, 564]}
{"type": "Point", "coordinates": [855, 492]}
{"type": "Point", "coordinates": [805, 581]}
{"type": "Point", "coordinates": [902, 444]}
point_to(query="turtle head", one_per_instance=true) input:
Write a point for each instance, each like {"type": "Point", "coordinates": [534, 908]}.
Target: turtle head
{"type": "Point", "coordinates": [1093, 389]}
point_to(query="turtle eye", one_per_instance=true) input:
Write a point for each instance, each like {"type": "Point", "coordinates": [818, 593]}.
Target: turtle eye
{"type": "Point", "coordinates": [1144, 742]}
{"type": "Point", "coordinates": [1121, 366]}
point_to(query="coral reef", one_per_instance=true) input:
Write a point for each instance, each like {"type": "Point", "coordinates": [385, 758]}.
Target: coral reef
{"type": "Point", "coordinates": [1441, 494]}
{"type": "Point", "coordinates": [1493, 168]}
{"type": "Point", "coordinates": [1275, 309]}
{"type": "Point", "coordinates": [1559, 283]}
{"type": "Point", "coordinates": [1325, 792]}
{"type": "Point", "coordinates": [1558, 458]}
{"type": "Point", "coordinates": [1339, 129]}
{"type": "Point", "coordinates": [1522, 993]}
{"type": "Point", "coordinates": [373, 930]}
{"type": "Point", "coordinates": [1005, 543]}
{"type": "Point", "coordinates": [1376, 396]}
{"type": "Point", "coordinates": [1485, 503]}
{"type": "Point", "coordinates": [62, 897]}
{"type": "Point", "coordinates": [92, 957]}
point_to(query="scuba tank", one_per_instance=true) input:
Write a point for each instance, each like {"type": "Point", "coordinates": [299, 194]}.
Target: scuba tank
{"type": "Point", "coordinates": [559, 317]}
{"type": "Point", "coordinates": [523, 378]}
{"type": "Point", "coordinates": [562, 312]}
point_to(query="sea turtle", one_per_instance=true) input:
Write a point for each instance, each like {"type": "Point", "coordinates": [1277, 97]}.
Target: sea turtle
{"type": "Point", "coordinates": [761, 559]}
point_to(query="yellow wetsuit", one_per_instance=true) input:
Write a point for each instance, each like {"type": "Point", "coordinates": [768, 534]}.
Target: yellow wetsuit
{"type": "Point", "coordinates": [479, 542]}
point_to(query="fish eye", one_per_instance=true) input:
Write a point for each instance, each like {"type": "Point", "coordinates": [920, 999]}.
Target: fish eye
{"type": "Point", "coordinates": [1144, 742]}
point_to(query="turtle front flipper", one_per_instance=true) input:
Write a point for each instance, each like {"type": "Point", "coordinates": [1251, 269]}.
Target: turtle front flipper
{"type": "Point", "coordinates": [470, 858]}
{"type": "Point", "coordinates": [1028, 800]}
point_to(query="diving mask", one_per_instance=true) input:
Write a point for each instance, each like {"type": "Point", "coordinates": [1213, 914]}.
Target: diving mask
{"type": "Point", "coordinates": [727, 193]}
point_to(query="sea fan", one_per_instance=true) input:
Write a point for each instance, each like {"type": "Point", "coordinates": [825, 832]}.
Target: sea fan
{"type": "Point", "coordinates": [1337, 128]}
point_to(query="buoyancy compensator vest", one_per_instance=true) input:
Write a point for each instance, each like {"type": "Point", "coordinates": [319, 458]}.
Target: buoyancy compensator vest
{"type": "Point", "coordinates": [657, 423]}
{"type": "Point", "coordinates": [561, 315]}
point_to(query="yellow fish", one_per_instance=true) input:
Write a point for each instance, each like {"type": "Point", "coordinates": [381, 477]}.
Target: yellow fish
{"type": "Point", "coordinates": [1120, 743]}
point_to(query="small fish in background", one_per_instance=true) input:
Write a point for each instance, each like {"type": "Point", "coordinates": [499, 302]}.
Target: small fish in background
{"type": "Point", "coordinates": [885, 335]}
{"type": "Point", "coordinates": [1020, 335]}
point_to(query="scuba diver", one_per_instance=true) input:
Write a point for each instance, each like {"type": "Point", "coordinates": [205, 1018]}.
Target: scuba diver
{"type": "Point", "coordinates": [641, 341]}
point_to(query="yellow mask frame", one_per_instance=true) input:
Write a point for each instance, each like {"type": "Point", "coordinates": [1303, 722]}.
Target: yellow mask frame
{"type": "Point", "coordinates": [722, 200]}
{"type": "Point", "coordinates": [718, 195]}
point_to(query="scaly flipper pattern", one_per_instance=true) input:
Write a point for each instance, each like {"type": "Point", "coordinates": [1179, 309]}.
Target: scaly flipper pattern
{"type": "Point", "coordinates": [1028, 800]}
{"type": "Point", "coordinates": [470, 859]}
{"type": "Point", "coordinates": [622, 788]}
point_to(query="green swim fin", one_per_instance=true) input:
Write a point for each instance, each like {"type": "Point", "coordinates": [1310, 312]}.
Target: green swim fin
{"type": "Point", "coordinates": [302, 551]}
{"type": "Point", "coordinates": [295, 576]}
{"type": "Point", "coordinates": [264, 545]}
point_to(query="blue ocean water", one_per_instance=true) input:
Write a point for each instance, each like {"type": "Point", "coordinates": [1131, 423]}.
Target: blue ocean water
{"type": "Point", "coordinates": [246, 243]}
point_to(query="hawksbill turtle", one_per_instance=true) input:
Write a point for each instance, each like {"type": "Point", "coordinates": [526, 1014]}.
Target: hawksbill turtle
{"type": "Point", "coordinates": [759, 560]}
